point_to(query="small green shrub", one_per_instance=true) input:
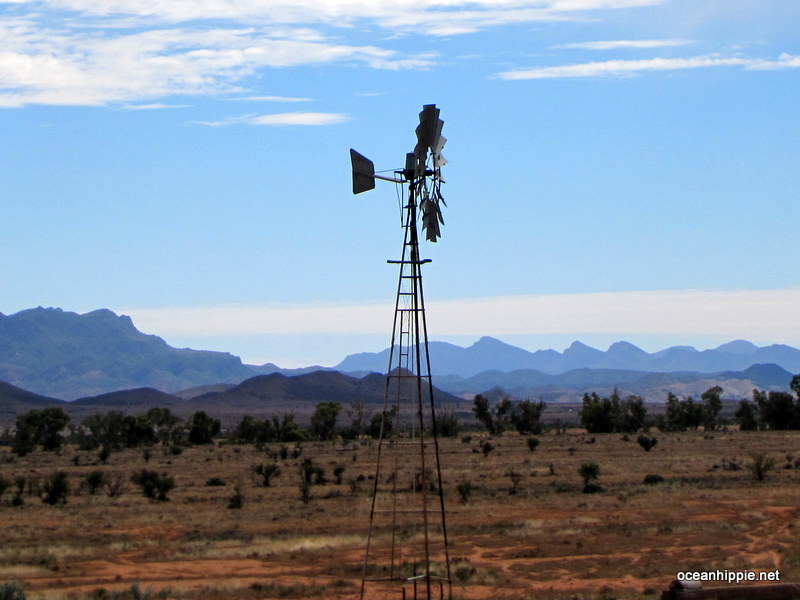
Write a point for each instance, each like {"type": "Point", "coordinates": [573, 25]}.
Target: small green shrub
{"type": "Point", "coordinates": [761, 464]}
{"type": "Point", "coordinates": [11, 591]}
{"type": "Point", "coordinates": [56, 488]}
{"type": "Point", "coordinates": [487, 447]}
{"type": "Point", "coordinates": [236, 501]}
{"type": "Point", "coordinates": [95, 480]}
{"type": "Point", "coordinates": [515, 478]}
{"type": "Point", "coordinates": [115, 485]}
{"type": "Point", "coordinates": [267, 472]}
{"type": "Point", "coordinates": [305, 491]}
{"type": "Point", "coordinates": [652, 479]}
{"type": "Point", "coordinates": [465, 491]}
{"type": "Point", "coordinates": [592, 488]}
{"type": "Point", "coordinates": [647, 442]}
{"type": "Point", "coordinates": [154, 486]}
{"type": "Point", "coordinates": [338, 472]}
{"type": "Point", "coordinates": [533, 443]}
{"type": "Point", "coordinates": [312, 473]}
{"type": "Point", "coordinates": [588, 472]}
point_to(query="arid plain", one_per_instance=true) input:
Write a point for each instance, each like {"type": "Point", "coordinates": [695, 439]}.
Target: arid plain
{"type": "Point", "coordinates": [547, 540]}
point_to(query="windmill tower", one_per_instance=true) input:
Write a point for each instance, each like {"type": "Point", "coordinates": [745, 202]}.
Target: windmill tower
{"type": "Point", "coordinates": [407, 555]}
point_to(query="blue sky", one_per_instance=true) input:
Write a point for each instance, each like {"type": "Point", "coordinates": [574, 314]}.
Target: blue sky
{"type": "Point", "coordinates": [619, 169]}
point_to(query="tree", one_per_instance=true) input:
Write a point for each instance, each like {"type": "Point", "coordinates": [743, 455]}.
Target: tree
{"type": "Point", "coordinates": [795, 385]}
{"type": "Point", "coordinates": [359, 416]}
{"type": "Point", "coordinates": [526, 417]}
{"type": "Point", "coordinates": [202, 428]}
{"type": "Point", "coordinates": [168, 428]}
{"type": "Point", "coordinates": [632, 414]}
{"type": "Point", "coordinates": [323, 421]}
{"type": "Point", "coordinates": [447, 424]}
{"type": "Point", "coordinates": [673, 416]}
{"type": "Point", "coordinates": [598, 414]}
{"type": "Point", "coordinates": [482, 412]}
{"type": "Point", "coordinates": [382, 423]}
{"type": "Point", "coordinates": [693, 413]}
{"type": "Point", "coordinates": [114, 431]}
{"type": "Point", "coordinates": [747, 415]}
{"type": "Point", "coordinates": [613, 414]}
{"type": "Point", "coordinates": [500, 417]}
{"type": "Point", "coordinates": [777, 410]}
{"type": "Point", "coordinates": [682, 414]}
{"type": "Point", "coordinates": [39, 427]}
{"type": "Point", "coordinates": [712, 405]}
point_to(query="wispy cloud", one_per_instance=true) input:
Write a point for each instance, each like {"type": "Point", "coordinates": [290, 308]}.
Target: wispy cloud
{"type": "Point", "coordinates": [759, 314]}
{"type": "Point", "coordinates": [68, 66]}
{"type": "Point", "coordinates": [153, 106]}
{"type": "Point", "coordinates": [271, 99]}
{"type": "Point", "coordinates": [622, 44]}
{"type": "Point", "coordinates": [290, 118]}
{"type": "Point", "coordinates": [627, 68]}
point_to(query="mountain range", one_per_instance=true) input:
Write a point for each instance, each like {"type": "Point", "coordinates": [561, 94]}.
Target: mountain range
{"type": "Point", "coordinates": [489, 354]}
{"type": "Point", "coordinates": [65, 355]}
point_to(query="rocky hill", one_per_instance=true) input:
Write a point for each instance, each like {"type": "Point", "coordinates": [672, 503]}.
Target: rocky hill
{"type": "Point", "coordinates": [63, 354]}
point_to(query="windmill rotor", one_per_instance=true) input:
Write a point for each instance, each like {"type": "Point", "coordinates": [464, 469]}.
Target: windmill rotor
{"type": "Point", "coordinates": [422, 171]}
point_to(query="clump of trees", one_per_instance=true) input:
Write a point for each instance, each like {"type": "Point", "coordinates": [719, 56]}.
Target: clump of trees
{"type": "Point", "coordinates": [612, 414]}
{"type": "Point", "coordinates": [774, 410]}
{"type": "Point", "coordinates": [39, 428]}
{"type": "Point", "coordinates": [524, 416]}
{"type": "Point", "coordinates": [276, 429]}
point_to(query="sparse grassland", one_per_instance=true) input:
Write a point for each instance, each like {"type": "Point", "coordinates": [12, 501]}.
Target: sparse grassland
{"type": "Point", "coordinates": [545, 540]}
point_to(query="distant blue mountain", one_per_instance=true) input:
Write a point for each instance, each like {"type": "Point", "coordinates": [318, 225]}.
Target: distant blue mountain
{"type": "Point", "coordinates": [489, 354]}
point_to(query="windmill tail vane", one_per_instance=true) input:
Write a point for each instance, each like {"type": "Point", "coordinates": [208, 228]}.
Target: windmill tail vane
{"type": "Point", "coordinates": [407, 555]}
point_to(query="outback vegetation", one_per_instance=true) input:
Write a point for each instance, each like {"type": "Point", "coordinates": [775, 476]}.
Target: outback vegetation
{"type": "Point", "coordinates": [133, 506]}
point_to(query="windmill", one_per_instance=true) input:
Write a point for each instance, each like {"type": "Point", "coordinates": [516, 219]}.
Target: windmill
{"type": "Point", "coordinates": [407, 555]}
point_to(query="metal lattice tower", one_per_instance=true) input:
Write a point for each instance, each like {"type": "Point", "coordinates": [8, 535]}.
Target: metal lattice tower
{"type": "Point", "coordinates": [407, 554]}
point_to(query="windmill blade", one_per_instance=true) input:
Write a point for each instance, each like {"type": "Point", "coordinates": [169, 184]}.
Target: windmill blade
{"type": "Point", "coordinates": [421, 156]}
{"type": "Point", "coordinates": [363, 172]}
{"type": "Point", "coordinates": [438, 159]}
{"type": "Point", "coordinates": [430, 126]}
{"type": "Point", "coordinates": [431, 217]}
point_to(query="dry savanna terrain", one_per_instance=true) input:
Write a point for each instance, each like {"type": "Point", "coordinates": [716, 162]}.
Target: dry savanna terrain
{"type": "Point", "coordinates": [546, 540]}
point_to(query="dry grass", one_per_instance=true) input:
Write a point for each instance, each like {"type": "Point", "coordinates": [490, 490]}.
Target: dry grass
{"type": "Point", "coordinates": [548, 540]}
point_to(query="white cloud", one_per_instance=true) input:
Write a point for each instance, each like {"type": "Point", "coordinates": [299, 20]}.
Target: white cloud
{"type": "Point", "coordinates": [623, 68]}
{"type": "Point", "coordinates": [618, 44]}
{"type": "Point", "coordinates": [271, 99]}
{"type": "Point", "coordinates": [759, 314]}
{"type": "Point", "coordinates": [785, 61]}
{"type": "Point", "coordinates": [153, 106]}
{"type": "Point", "coordinates": [290, 118]}
{"type": "Point", "coordinates": [41, 65]}
{"type": "Point", "coordinates": [437, 17]}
